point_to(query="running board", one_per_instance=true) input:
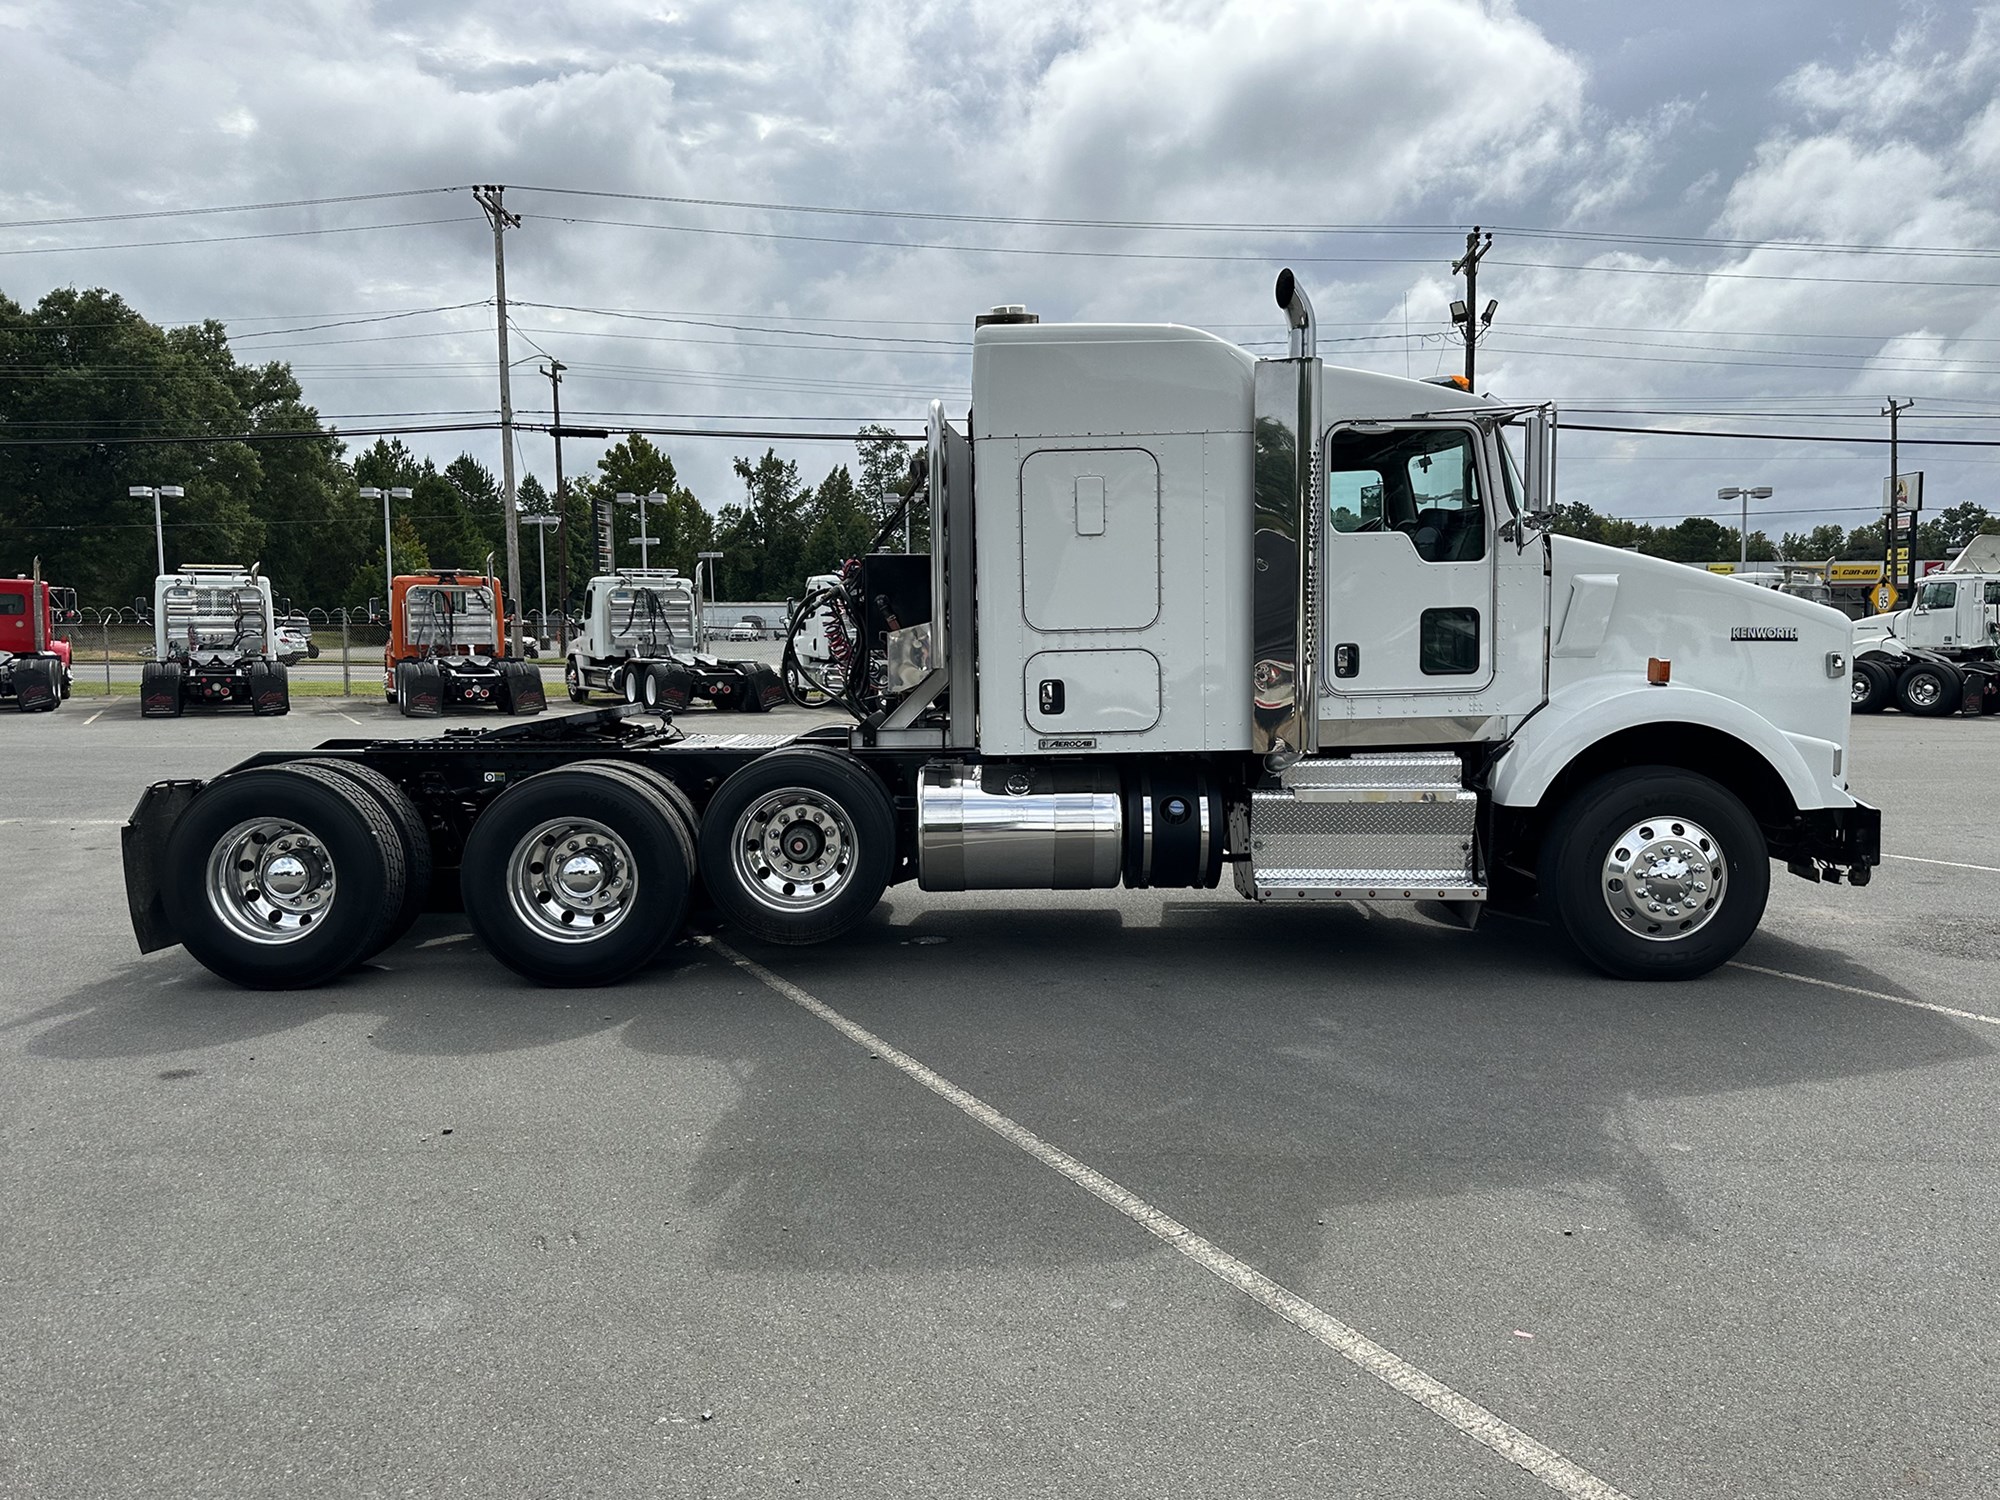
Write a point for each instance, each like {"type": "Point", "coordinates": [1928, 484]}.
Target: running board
{"type": "Point", "coordinates": [1396, 827]}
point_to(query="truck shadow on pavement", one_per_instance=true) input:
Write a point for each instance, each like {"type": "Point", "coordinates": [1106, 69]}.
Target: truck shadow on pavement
{"type": "Point", "coordinates": [1238, 1066]}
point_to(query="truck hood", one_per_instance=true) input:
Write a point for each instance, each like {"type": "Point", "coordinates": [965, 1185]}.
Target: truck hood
{"type": "Point", "coordinates": [1611, 611]}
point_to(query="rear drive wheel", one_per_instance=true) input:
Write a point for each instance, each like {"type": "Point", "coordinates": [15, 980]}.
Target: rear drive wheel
{"type": "Point", "coordinates": [283, 876]}
{"type": "Point", "coordinates": [1874, 687]}
{"type": "Point", "coordinates": [629, 682]}
{"type": "Point", "coordinates": [798, 846]}
{"type": "Point", "coordinates": [577, 876]}
{"type": "Point", "coordinates": [1655, 873]}
{"type": "Point", "coordinates": [1929, 689]}
{"type": "Point", "coordinates": [411, 830]}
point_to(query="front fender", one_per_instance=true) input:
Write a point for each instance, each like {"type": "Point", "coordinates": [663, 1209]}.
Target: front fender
{"type": "Point", "coordinates": [1576, 718]}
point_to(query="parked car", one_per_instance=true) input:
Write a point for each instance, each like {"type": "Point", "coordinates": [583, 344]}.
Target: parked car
{"type": "Point", "coordinates": [295, 642]}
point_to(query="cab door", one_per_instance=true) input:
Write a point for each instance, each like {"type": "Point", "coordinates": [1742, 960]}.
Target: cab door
{"type": "Point", "coordinates": [1430, 614]}
{"type": "Point", "coordinates": [17, 618]}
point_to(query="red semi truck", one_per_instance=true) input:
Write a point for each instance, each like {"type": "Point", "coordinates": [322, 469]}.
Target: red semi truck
{"type": "Point", "coordinates": [34, 654]}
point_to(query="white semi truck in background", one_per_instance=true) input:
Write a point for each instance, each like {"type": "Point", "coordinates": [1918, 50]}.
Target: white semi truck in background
{"type": "Point", "coordinates": [642, 640]}
{"type": "Point", "coordinates": [1941, 654]}
{"type": "Point", "coordinates": [215, 643]}
{"type": "Point", "coordinates": [1190, 615]}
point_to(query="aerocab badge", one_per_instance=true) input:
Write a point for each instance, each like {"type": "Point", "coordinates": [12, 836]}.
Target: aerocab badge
{"type": "Point", "coordinates": [1763, 632]}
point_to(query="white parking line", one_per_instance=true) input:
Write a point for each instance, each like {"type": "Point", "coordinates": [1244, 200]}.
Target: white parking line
{"type": "Point", "coordinates": [349, 717]}
{"type": "Point", "coordinates": [1848, 989]}
{"type": "Point", "coordinates": [1463, 1413]}
{"type": "Point", "coordinates": [63, 822]}
{"type": "Point", "coordinates": [1952, 863]}
{"type": "Point", "coordinates": [96, 716]}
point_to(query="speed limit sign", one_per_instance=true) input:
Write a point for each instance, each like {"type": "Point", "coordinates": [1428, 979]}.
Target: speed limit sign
{"type": "Point", "coordinates": [1885, 598]}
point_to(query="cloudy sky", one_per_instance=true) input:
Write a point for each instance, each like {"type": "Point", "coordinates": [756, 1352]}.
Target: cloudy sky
{"type": "Point", "coordinates": [1740, 218]}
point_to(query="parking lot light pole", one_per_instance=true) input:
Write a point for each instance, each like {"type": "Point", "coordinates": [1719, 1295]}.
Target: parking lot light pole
{"type": "Point", "coordinates": [395, 492]}
{"type": "Point", "coordinates": [157, 493]}
{"type": "Point", "coordinates": [542, 525]}
{"type": "Point", "coordinates": [1732, 492]}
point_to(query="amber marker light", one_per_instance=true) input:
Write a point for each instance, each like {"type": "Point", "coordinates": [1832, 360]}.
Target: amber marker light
{"type": "Point", "coordinates": [1658, 671]}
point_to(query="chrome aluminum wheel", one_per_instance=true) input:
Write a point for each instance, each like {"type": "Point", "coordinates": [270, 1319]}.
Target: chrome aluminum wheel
{"type": "Point", "coordinates": [794, 849]}
{"type": "Point", "coordinates": [270, 881]}
{"type": "Point", "coordinates": [1861, 687]}
{"type": "Point", "coordinates": [1664, 878]}
{"type": "Point", "coordinates": [1924, 690]}
{"type": "Point", "coordinates": [571, 880]}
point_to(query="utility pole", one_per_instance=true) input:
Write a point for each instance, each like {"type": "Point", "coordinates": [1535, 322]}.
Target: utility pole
{"type": "Point", "coordinates": [554, 370]}
{"type": "Point", "coordinates": [488, 198]}
{"type": "Point", "coordinates": [1467, 265]}
{"type": "Point", "coordinates": [1892, 411]}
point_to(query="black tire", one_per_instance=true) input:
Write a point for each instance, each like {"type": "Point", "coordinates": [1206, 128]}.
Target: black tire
{"type": "Point", "coordinates": [637, 815]}
{"type": "Point", "coordinates": [1874, 687]}
{"type": "Point", "coordinates": [631, 686]}
{"type": "Point", "coordinates": [349, 825]}
{"type": "Point", "coordinates": [1686, 816]}
{"type": "Point", "coordinates": [573, 680]}
{"type": "Point", "coordinates": [1929, 689]}
{"type": "Point", "coordinates": [812, 910]}
{"type": "Point", "coordinates": [411, 830]}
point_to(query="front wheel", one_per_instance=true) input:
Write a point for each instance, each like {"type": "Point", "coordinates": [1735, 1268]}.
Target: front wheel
{"type": "Point", "coordinates": [573, 680]}
{"type": "Point", "coordinates": [1655, 873]}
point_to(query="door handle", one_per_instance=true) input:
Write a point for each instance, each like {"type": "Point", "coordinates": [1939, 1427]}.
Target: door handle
{"type": "Point", "coordinates": [1346, 659]}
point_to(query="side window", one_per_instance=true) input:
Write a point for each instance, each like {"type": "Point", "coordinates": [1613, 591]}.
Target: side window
{"type": "Point", "coordinates": [1937, 596]}
{"type": "Point", "coordinates": [13, 604]}
{"type": "Point", "coordinates": [1993, 591]}
{"type": "Point", "coordinates": [1422, 482]}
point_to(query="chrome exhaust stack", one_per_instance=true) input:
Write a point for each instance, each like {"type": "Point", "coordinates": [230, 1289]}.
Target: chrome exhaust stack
{"type": "Point", "coordinates": [1284, 590]}
{"type": "Point", "coordinates": [1298, 315]}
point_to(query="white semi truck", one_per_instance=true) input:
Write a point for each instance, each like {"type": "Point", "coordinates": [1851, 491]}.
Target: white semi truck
{"type": "Point", "coordinates": [215, 643]}
{"type": "Point", "coordinates": [1941, 655]}
{"type": "Point", "coordinates": [1190, 615]}
{"type": "Point", "coordinates": [642, 641]}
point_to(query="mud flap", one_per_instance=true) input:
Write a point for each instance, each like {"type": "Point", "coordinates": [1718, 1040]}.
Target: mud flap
{"type": "Point", "coordinates": [423, 691]}
{"type": "Point", "coordinates": [529, 696]}
{"type": "Point", "coordinates": [144, 838]}
{"type": "Point", "coordinates": [767, 688]}
{"type": "Point", "coordinates": [37, 683]}
{"type": "Point", "coordinates": [673, 685]}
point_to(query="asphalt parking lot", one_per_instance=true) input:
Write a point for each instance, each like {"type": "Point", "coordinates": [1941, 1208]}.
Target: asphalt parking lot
{"type": "Point", "coordinates": [433, 1231]}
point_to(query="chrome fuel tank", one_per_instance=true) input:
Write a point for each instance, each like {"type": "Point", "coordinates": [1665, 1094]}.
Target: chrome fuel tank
{"type": "Point", "coordinates": [1018, 826]}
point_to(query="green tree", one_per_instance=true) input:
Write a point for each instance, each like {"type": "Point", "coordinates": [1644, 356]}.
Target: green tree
{"type": "Point", "coordinates": [1816, 545]}
{"type": "Point", "coordinates": [763, 539]}
{"type": "Point", "coordinates": [680, 521]}
{"type": "Point", "coordinates": [840, 527]}
{"type": "Point", "coordinates": [884, 463]}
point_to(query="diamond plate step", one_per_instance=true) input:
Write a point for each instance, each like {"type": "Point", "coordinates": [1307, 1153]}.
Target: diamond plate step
{"type": "Point", "coordinates": [1410, 776]}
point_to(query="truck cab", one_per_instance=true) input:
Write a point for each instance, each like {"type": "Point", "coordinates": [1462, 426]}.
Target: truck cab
{"type": "Point", "coordinates": [642, 640]}
{"type": "Point", "coordinates": [214, 643]}
{"type": "Point", "coordinates": [444, 648]}
{"type": "Point", "coordinates": [34, 652]}
{"type": "Point", "coordinates": [1940, 655]}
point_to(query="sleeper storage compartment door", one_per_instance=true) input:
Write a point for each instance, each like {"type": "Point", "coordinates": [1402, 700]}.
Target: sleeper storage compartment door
{"type": "Point", "coordinates": [1090, 539]}
{"type": "Point", "coordinates": [1092, 692]}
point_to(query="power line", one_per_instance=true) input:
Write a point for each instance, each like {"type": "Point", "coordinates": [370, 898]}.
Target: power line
{"type": "Point", "coordinates": [228, 239]}
{"type": "Point", "coordinates": [227, 208]}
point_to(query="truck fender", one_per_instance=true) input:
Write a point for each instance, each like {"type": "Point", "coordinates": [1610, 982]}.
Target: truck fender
{"type": "Point", "coordinates": [1575, 719]}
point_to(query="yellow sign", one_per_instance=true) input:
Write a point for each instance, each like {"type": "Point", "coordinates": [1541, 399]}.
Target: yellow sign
{"type": "Point", "coordinates": [1722, 567]}
{"type": "Point", "coordinates": [1885, 598]}
{"type": "Point", "coordinates": [1854, 572]}
{"type": "Point", "coordinates": [1902, 554]}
